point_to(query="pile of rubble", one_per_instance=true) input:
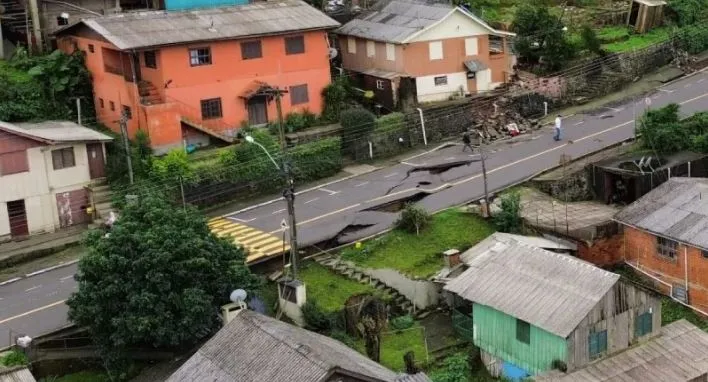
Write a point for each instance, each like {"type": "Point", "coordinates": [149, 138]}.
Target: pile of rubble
{"type": "Point", "coordinates": [501, 121]}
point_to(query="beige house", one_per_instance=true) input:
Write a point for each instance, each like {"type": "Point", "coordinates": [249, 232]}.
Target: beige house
{"type": "Point", "coordinates": [44, 171]}
{"type": "Point", "coordinates": [423, 50]}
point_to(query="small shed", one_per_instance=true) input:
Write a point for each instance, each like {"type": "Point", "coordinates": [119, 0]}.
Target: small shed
{"type": "Point", "coordinates": [646, 14]}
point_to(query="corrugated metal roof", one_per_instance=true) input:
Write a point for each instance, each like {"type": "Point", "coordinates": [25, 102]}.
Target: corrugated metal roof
{"type": "Point", "coordinates": [54, 131]}
{"type": "Point", "coordinates": [16, 374]}
{"type": "Point", "coordinates": [255, 348]}
{"type": "Point", "coordinates": [419, 377]}
{"type": "Point", "coordinates": [548, 290]}
{"type": "Point", "coordinates": [135, 30]}
{"type": "Point", "coordinates": [679, 354]}
{"type": "Point", "coordinates": [676, 209]}
{"type": "Point", "coordinates": [475, 65]}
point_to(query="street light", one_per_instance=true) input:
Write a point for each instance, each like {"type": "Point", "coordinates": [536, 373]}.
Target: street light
{"type": "Point", "coordinates": [289, 195]}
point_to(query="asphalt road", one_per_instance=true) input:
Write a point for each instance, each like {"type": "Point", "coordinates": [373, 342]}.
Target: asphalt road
{"type": "Point", "coordinates": [35, 305]}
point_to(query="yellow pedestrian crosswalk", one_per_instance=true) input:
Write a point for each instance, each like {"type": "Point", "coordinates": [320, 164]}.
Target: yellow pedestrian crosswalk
{"type": "Point", "coordinates": [259, 245]}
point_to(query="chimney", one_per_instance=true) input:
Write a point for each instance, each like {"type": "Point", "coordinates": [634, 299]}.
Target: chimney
{"type": "Point", "coordinates": [452, 258]}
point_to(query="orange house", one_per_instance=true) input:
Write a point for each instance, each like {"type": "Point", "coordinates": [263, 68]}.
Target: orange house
{"type": "Point", "coordinates": [192, 76]}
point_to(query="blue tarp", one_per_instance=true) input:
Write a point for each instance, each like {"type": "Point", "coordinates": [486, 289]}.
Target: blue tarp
{"type": "Point", "coordinates": [513, 372]}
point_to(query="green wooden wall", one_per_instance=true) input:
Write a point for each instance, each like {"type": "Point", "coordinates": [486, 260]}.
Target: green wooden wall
{"type": "Point", "coordinates": [495, 333]}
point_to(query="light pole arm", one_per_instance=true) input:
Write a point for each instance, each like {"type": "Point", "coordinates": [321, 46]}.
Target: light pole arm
{"type": "Point", "coordinates": [269, 156]}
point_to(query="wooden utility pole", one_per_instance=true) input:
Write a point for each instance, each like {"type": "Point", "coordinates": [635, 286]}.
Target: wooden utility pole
{"type": "Point", "coordinates": [126, 143]}
{"type": "Point", "coordinates": [482, 156]}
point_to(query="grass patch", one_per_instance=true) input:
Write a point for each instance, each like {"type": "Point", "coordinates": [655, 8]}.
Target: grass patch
{"type": "Point", "coordinates": [639, 41]}
{"type": "Point", "coordinates": [613, 33]}
{"type": "Point", "coordinates": [330, 290]}
{"type": "Point", "coordinates": [420, 256]}
{"type": "Point", "coordinates": [82, 376]}
{"type": "Point", "coordinates": [395, 344]}
{"type": "Point", "coordinates": [268, 292]}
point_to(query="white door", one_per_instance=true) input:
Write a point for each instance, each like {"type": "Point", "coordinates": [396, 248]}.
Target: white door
{"type": "Point", "coordinates": [484, 80]}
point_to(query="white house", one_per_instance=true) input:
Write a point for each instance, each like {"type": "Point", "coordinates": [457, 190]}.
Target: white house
{"type": "Point", "coordinates": [44, 171]}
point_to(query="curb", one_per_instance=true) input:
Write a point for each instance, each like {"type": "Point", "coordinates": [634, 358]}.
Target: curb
{"type": "Point", "coordinates": [39, 272]}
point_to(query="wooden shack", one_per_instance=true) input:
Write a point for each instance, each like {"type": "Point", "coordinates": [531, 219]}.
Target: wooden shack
{"type": "Point", "coordinates": [646, 14]}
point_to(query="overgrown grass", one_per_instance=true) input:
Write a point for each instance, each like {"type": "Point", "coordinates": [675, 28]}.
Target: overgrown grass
{"type": "Point", "coordinates": [330, 290]}
{"type": "Point", "coordinates": [82, 376]}
{"type": "Point", "coordinates": [421, 256]}
{"type": "Point", "coordinates": [395, 344]}
{"type": "Point", "coordinates": [613, 33]}
{"type": "Point", "coordinates": [639, 41]}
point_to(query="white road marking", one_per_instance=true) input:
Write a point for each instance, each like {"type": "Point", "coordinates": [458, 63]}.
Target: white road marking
{"type": "Point", "coordinates": [278, 211]}
{"type": "Point", "coordinates": [330, 192]}
{"type": "Point", "coordinates": [361, 184]}
{"type": "Point", "coordinates": [578, 123]}
{"type": "Point", "coordinates": [12, 280]}
{"type": "Point", "coordinates": [701, 80]}
{"type": "Point", "coordinates": [449, 158]}
{"type": "Point", "coordinates": [654, 97]}
{"type": "Point", "coordinates": [615, 110]}
{"type": "Point", "coordinates": [242, 220]}
{"type": "Point", "coordinates": [666, 90]}
{"type": "Point", "coordinates": [33, 288]}
{"type": "Point", "coordinates": [27, 313]}
{"type": "Point", "coordinates": [66, 278]}
{"type": "Point", "coordinates": [390, 175]}
{"type": "Point", "coordinates": [687, 85]}
{"type": "Point", "coordinates": [311, 200]}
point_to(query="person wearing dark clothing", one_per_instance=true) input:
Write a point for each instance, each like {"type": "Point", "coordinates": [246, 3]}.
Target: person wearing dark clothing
{"type": "Point", "coordinates": [467, 141]}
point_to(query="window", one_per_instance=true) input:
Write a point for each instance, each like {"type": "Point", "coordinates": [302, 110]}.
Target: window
{"type": "Point", "coordinates": [100, 102]}
{"type": "Point", "coordinates": [294, 45]}
{"type": "Point", "coordinates": [380, 84]}
{"type": "Point", "coordinates": [14, 162]}
{"type": "Point", "coordinates": [370, 49]}
{"type": "Point", "coordinates": [597, 343]}
{"type": "Point", "coordinates": [200, 56]}
{"type": "Point", "coordinates": [63, 158]}
{"type": "Point", "coordinates": [390, 52]}
{"type": "Point", "coordinates": [298, 94]}
{"type": "Point", "coordinates": [471, 48]}
{"type": "Point", "coordinates": [251, 50]}
{"type": "Point", "coordinates": [435, 49]}
{"type": "Point", "coordinates": [666, 247]}
{"type": "Point", "coordinates": [112, 105]}
{"type": "Point", "coordinates": [351, 45]}
{"type": "Point", "coordinates": [150, 59]}
{"type": "Point", "coordinates": [642, 326]}
{"type": "Point", "coordinates": [127, 112]}
{"type": "Point", "coordinates": [440, 81]}
{"type": "Point", "coordinates": [704, 253]}
{"type": "Point", "coordinates": [496, 45]}
{"type": "Point", "coordinates": [211, 108]}
{"type": "Point", "coordinates": [91, 48]}
{"type": "Point", "coordinates": [62, 21]}
{"type": "Point", "coordinates": [523, 331]}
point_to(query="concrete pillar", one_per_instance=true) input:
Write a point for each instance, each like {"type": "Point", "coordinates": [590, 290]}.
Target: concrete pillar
{"type": "Point", "coordinates": [36, 25]}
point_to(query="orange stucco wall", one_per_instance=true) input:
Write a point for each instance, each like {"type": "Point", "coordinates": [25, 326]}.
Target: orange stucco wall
{"type": "Point", "coordinates": [227, 77]}
{"type": "Point", "coordinates": [640, 249]}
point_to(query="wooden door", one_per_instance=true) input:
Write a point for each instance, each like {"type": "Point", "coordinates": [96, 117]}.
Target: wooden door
{"type": "Point", "coordinates": [257, 111]}
{"type": "Point", "coordinates": [97, 164]}
{"type": "Point", "coordinates": [18, 218]}
{"type": "Point", "coordinates": [71, 206]}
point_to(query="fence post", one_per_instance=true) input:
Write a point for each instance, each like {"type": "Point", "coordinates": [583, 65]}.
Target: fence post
{"type": "Point", "coordinates": [422, 125]}
{"type": "Point", "coordinates": [371, 150]}
{"type": "Point", "coordinates": [545, 108]}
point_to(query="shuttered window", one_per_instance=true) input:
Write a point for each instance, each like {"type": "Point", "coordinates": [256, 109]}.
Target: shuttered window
{"type": "Point", "coordinates": [523, 331]}
{"type": "Point", "coordinates": [63, 158]}
{"type": "Point", "coordinates": [597, 343]}
{"type": "Point", "coordinates": [298, 94]}
{"type": "Point", "coordinates": [643, 326]}
{"type": "Point", "coordinates": [13, 163]}
{"type": "Point", "coordinates": [251, 50]}
{"type": "Point", "coordinates": [294, 45]}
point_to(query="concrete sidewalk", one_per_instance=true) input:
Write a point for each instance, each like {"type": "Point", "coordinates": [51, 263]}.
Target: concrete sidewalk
{"type": "Point", "coordinates": [35, 246]}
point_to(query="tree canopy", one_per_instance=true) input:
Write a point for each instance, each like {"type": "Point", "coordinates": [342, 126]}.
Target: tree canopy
{"type": "Point", "coordinates": [157, 279]}
{"type": "Point", "coordinates": [540, 37]}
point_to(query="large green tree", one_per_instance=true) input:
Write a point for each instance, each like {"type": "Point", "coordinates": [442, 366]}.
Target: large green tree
{"type": "Point", "coordinates": [541, 37]}
{"type": "Point", "coordinates": [157, 279]}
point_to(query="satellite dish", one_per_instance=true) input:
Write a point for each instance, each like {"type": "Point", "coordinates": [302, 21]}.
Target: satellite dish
{"type": "Point", "coordinates": [332, 53]}
{"type": "Point", "coordinates": [238, 296]}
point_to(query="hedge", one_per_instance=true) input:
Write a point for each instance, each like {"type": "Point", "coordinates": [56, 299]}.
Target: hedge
{"type": "Point", "coordinates": [316, 160]}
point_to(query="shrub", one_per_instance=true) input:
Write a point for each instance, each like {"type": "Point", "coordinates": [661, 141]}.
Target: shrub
{"type": "Point", "coordinates": [688, 12]}
{"type": "Point", "coordinates": [455, 369]}
{"type": "Point", "coordinates": [356, 124]}
{"type": "Point", "coordinates": [343, 337]}
{"type": "Point", "coordinates": [315, 318]}
{"type": "Point", "coordinates": [694, 38]}
{"type": "Point", "coordinates": [172, 167]}
{"type": "Point", "coordinates": [14, 358]}
{"type": "Point", "coordinates": [413, 219]}
{"type": "Point", "coordinates": [317, 159]}
{"type": "Point", "coordinates": [509, 218]}
{"type": "Point", "coordinates": [402, 322]}
{"type": "Point", "coordinates": [590, 40]}
{"type": "Point", "coordinates": [299, 121]}
{"type": "Point", "coordinates": [335, 96]}
{"type": "Point", "coordinates": [390, 122]}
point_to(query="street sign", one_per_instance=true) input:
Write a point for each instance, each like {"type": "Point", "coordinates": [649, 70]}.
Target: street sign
{"type": "Point", "coordinates": [284, 224]}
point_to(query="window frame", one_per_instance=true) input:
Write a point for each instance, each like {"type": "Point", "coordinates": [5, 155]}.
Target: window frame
{"type": "Point", "coordinates": [435, 81]}
{"type": "Point", "coordinates": [380, 84]}
{"type": "Point", "coordinates": [288, 48]}
{"type": "Point", "coordinates": [351, 45]}
{"type": "Point", "coordinates": [209, 105]}
{"type": "Point", "coordinates": [599, 339]}
{"type": "Point", "coordinates": [293, 101]}
{"type": "Point", "coordinates": [370, 49]}
{"type": "Point", "coordinates": [25, 162]}
{"type": "Point", "coordinates": [244, 44]}
{"type": "Point", "coordinates": [704, 254]}
{"type": "Point", "coordinates": [62, 21]}
{"type": "Point", "coordinates": [91, 48]}
{"type": "Point", "coordinates": [112, 105]}
{"type": "Point", "coordinates": [60, 158]}
{"type": "Point", "coordinates": [501, 43]}
{"type": "Point", "coordinates": [523, 331]}
{"type": "Point", "coordinates": [434, 53]}
{"type": "Point", "coordinates": [127, 111]}
{"type": "Point", "coordinates": [101, 103]}
{"type": "Point", "coordinates": [471, 46]}
{"type": "Point", "coordinates": [152, 63]}
{"type": "Point", "coordinates": [390, 52]}
{"type": "Point", "coordinates": [198, 55]}
{"type": "Point", "coordinates": [666, 248]}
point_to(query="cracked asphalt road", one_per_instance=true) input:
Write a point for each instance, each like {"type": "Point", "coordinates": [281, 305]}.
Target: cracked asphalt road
{"type": "Point", "coordinates": [35, 305]}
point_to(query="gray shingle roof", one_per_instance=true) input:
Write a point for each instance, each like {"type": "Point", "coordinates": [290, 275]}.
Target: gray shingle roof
{"type": "Point", "coordinates": [676, 209]}
{"type": "Point", "coordinates": [679, 354]}
{"type": "Point", "coordinates": [255, 348]}
{"type": "Point", "coordinates": [55, 131]}
{"type": "Point", "coordinates": [548, 290]}
{"type": "Point", "coordinates": [419, 377]}
{"type": "Point", "coordinates": [135, 30]}
{"type": "Point", "coordinates": [397, 20]}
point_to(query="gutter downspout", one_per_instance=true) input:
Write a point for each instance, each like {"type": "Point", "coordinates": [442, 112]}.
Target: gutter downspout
{"type": "Point", "coordinates": [685, 267]}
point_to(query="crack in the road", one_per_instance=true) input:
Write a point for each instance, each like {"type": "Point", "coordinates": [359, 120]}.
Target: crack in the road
{"type": "Point", "coordinates": [436, 170]}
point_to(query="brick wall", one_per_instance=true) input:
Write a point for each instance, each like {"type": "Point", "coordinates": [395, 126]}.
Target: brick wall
{"type": "Point", "coordinates": [603, 252]}
{"type": "Point", "coordinates": [641, 251]}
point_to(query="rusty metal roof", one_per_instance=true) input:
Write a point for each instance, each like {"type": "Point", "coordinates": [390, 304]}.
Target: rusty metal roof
{"type": "Point", "coordinates": [678, 209]}
{"type": "Point", "coordinates": [136, 30]}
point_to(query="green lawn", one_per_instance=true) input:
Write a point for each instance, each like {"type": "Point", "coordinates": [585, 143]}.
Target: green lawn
{"type": "Point", "coordinates": [613, 33]}
{"type": "Point", "coordinates": [330, 290]}
{"type": "Point", "coordinates": [395, 344]}
{"type": "Point", "coordinates": [421, 256]}
{"type": "Point", "coordinates": [639, 41]}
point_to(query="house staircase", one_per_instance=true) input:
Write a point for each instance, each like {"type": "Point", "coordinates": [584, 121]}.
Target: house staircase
{"type": "Point", "coordinates": [350, 271]}
{"type": "Point", "coordinates": [14, 17]}
{"type": "Point", "coordinates": [149, 95]}
{"type": "Point", "coordinates": [101, 196]}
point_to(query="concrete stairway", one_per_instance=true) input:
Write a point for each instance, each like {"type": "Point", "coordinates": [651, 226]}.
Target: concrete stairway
{"type": "Point", "coordinates": [350, 271]}
{"type": "Point", "coordinates": [149, 95]}
{"type": "Point", "coordinates": [101, 199]}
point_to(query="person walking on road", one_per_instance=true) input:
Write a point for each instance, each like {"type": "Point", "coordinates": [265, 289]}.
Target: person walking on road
{"type": "Point", "coordinates": [557, 134]}
{"type": "Point", "coordinates": [467, 141]}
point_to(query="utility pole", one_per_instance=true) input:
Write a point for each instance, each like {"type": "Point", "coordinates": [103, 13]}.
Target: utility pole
{"type": "Point", "coordinates": [126, 143]}
{"type": "Point", "coordinates": [482, 155]}
{"type": "Point", "coordinates": [78, 110]}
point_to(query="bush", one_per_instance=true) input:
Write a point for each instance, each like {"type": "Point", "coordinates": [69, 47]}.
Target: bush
{"type": "Point", "coordinates": [343, 337]}
{"type": "Point", "coordinates": [402, 322]}
{"type": "Point", "coordinates": [509, 218]}
{"type": "Point", "coordinates": [14, 358]}
{"type": "Point", "coordinates": [299, 121]}
{"type": "Point", "coordinates": [316, 160]}
{"type": "Point", "coordinates": [388, 122]}
{"type": "Point", "coordinates": [172, 167]}
{"type": "Point", "coordinates": [694, 38]}
{"type": "Point", "coordinates": [413, 219]}
{"type": "Point", "coordinates": [315, 318]}
{"type": "Point", "coordinates": [357, 124]}
{"type": "Point", "coordinates": [688, 12]}
{"type": "Point", "coordinates": [590, 40]}
{"type": "Point", "coordinates": [455, 369]}
{"type": "Point", "coordinates": [335, 96]}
